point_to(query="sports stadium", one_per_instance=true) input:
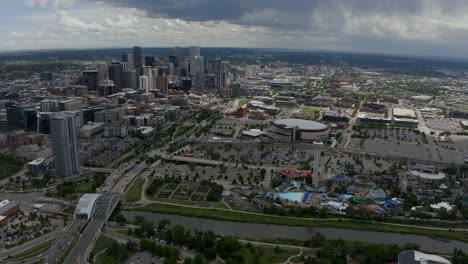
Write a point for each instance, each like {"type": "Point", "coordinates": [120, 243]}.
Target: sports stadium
{"type": "Point", "coordinates": [292, 130]}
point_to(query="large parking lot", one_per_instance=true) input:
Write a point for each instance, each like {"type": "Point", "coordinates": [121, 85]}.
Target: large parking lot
{"type": "Point", "coordinates": [407, 135]}
{"type": "Point", "coordinates": [224, 176]}
{"type": "Point", "coordinates": [145, 258]}
{"type": "Point", "coordinates": [451, 152]}
{"type": "Point", "coordinates": [443, 124]}
{"type": "Point", "coordinates": [284, 157]}
{"type": "Point", "coordinates": [390, 147]}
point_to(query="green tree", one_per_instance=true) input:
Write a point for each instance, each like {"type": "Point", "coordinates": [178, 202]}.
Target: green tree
{"type": "Point", "coordinates": [198, 259]}
{"type": "Point", "coordinates": [178, 235]}
{"type": "Point", "coordinates": [163, 223]}
{"type": "Point", "coordinates": [120, 219]}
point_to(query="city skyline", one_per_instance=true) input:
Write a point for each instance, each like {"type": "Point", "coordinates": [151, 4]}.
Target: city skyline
{"type": "Point", "coordinates": [385, 27]}
{"type": "Point", "coordinates": [288, 137]}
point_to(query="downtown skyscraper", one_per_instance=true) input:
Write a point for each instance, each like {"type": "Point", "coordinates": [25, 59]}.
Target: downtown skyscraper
{"type": "Point", "coordinates": [64, 144]}
{"type": "Point", "coordinates": [137, 59]}
{"type": "Point", "coordinates": [194, 51]}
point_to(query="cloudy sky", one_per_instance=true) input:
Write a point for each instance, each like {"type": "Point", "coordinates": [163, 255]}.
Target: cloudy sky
{"type": "Point", "coordinates": [415, 27]}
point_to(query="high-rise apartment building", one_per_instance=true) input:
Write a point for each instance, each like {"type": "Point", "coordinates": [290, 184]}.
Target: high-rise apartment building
{"type": "Point", "coordinates": [144, 84]}
{"type": "Point", "coordinates": [90, 79]}
{"type": "Point", "coordinates": [115, 74]}
{"type": "Point", "coordinates": [129, 78]}
{"type": "Point", "coordinates": [103, 73]}
{"type": "Point", "coordinates": [64, 144]}
{"type": "Point", "coordinates": [107, 87]}
{"type": "Point", "coordinates": [161, 84]}
{"type": "Point", "coordinates": [177, 52]}
{"type": "Point", "coordinates": [225, 70]}
{"type": "Point", "coordinates": [128, 59]}
{"type": "Point", "coordinates": [199, 71]}
{"type": "Point", "coordinates": [194, 51]}
{"type": "Point", "coordinates": [148, 72]}
{"type": "Point", "coordinates": [137, 57]}
{"type": "Point", "coordinates": [149, 61]}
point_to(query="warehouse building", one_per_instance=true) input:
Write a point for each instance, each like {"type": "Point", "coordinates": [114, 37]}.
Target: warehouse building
{"type": "Point", "coordinates": [404, 113]}
{"type": "Point", "coordinates": [7, 210]}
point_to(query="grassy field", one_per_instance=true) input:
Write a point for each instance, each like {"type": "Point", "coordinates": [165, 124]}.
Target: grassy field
{"type": "Point", "coordinates": [134, 193]}
{"type": "Point", "coordinates": [270, 219]}
{"type": "Point", "coordinates": [84, 187]}
{"type": "Point", "coordinates": [106, 259]}
{"type": "Point", "coordinates": [109, 258]}
{"type": "Point", "coordinates": [10, 165]}
{"type": "Point", "coordinates": [102, 243]}
{"type": "Point", "coordinates": [309, 110]}
{"type": "Point", "coordinates": [243, 102]}
{"type": "Point", "coordinates": [193, 203]}
{"type": "Point", "coordinates": [296, 259]}
{"type": "Point", "coordinates": [33, 250]}
{"type": "Point", "coordinates": [461, 105]}
{"type": "Point", "coordinates": [264, 255]}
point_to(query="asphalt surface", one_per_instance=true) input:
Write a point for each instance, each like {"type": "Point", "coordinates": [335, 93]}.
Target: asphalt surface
{"type": "Point", "coordinates": [57, 250]}
{"type": "Point", "coordinates": [145, 258]}
{"type": "Point", "coordinates": [30, 244]}
{"type": "Point", "coordinates": [78, 251]}
{"type": "Point", "coordinates": [120, 186]}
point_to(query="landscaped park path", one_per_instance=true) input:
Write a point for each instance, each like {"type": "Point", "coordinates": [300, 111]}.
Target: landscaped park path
{"type": "Point", "coordinates": [288, 261]}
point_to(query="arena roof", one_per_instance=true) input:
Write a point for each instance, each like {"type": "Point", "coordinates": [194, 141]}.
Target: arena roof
{"type": "Point", "coordinates": [428, 176]}
{"type": "Point", "coordinates": [300, 124]}
{"type": "Point", "coordinates": [86, 204]}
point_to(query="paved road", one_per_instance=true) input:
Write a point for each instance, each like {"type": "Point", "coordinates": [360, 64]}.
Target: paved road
{"type": "Point", "coordinates": [18, 249]}
{"type": "Point", "coordinates": [56, 251]}
{"type": "Point", "coordinates": [120, 186]}
{"type": "Point", "coordinates": [105, 170]}
{"type": "Point", "coordinates": [145, 258]}
{"type": "Point", "coordinates": [114, 178]}
{"type": "Point", "coordinates": [289, 260]}
{"type": "Point", "coordinates": [262, 244]}
{"type": "Point", "coordinates": [85, 240]}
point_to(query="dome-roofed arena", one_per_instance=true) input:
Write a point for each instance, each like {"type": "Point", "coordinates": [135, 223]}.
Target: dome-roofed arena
{"type": "Point", "coordinates": [292, 129]}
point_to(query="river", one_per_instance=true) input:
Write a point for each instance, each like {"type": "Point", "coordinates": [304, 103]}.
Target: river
{"type": "Point", "coordinates": [259, 231]}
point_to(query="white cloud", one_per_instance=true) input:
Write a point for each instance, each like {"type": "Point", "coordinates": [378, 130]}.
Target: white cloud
{"type": "Point", "coordinates": [62, 4]}
{"type": "Point", "coordinates": [36, 3]}
{"type": "Point", "coordinates": [104, 27]}
{"type": "Point", "coordinates": [323, 27]}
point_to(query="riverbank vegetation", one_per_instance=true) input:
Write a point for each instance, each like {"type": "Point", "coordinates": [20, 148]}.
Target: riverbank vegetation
{"type": "Point", "coordinates": [116, 253]}
{"type": "Point", "coordinates": [211, 246]}
{"type": "Point", "coordinates": [205, 243]}
{"type": "Point", "coordinates": [249, 217]}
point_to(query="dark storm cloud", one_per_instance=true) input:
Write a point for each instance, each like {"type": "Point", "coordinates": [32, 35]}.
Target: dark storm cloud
{"type": "Point", "coordinates": [264, 12]}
